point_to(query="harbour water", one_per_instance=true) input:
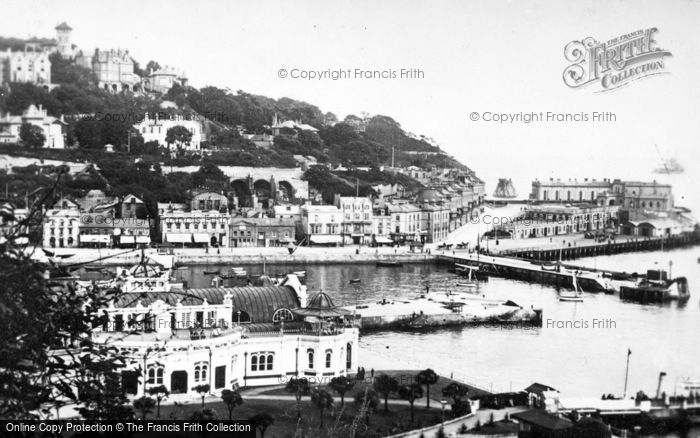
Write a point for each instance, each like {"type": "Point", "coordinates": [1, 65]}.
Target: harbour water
{"type": "Point", "coordinates": [581, 352]}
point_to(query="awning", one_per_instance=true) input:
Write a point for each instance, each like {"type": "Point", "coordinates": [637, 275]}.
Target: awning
{"type": "Point", "coordinates": [94, 238]}
{"type": "Point", "coordinates": [178, 237]}
{"type": "Point", "coordinates": [143, 239]}
{"type": "Point", "coordinates": [326, 239]}
{"type": "Point", "coordinates": [382, 239]}
{"type": "Point", "coordinates": [126, 239]}
{"type": "Point", "coordinates": [201, 237]}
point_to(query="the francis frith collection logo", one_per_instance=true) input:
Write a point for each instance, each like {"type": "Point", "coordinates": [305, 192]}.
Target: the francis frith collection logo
{"type": "Point", "coordinates": [614, 63]}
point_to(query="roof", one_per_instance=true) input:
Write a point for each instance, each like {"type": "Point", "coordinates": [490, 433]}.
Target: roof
{"type": "Point", "coordinates": [538, 388]}
{"type": "Point", "coordinates": [543, 420]}
{"type": "Point", "coordinates": [63, 26]}
{"type": "Point", "coordinates": [258, 302]}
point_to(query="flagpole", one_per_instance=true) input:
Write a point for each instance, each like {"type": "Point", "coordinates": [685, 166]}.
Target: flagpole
{"type": "Point", "coordinates": [627, 372]}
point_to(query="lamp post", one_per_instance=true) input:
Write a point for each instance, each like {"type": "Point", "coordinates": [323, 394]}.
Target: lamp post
{"type": "Point", "coordinates": [443, 402]}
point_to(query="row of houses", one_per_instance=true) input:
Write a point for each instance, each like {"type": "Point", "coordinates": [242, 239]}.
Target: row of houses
{"type": "Point", "coordinates": [630, 208]}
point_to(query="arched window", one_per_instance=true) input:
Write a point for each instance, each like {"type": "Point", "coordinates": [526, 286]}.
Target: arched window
{"type": "Point", "coordinates": [282, 315]}
{"type": "Point", "coordinates": [592, 196]}
{"type": "Point", "coordinates": [261, 362]}
{"type": "Point", "coordinates": [254, 363]}
{"type": "Point", "coordinates": [310, 354]}
{"type": "Point", "coordinates": [269, 362]}
{"type": "Point", "coordinates": [329, 356]}
{"type": "Point", "coordinates": [644, 204]}
{"type": "Point", "coordinates": [580, 195]}
{"type": "Point", "coordinates": [151, 376]}
{"type": "Point", "coordinates": [200, 372]}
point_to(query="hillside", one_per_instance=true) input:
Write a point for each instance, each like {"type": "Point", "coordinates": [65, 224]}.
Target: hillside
{"type": "Point", "coordinates": [96, 117]}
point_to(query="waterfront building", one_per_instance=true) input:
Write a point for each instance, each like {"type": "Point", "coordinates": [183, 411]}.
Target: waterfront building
{"type": "Point", "coordinates": [98, 230]}
{"type": "Point", "coordinates": [555, 219]}
{"type": "Point", "coordinates": [61, 228]}
{"type": "Point", "coordinates": [229, 338]}
{"type": "Point", "coordinates": [156, 129]}
{"type": "Point", "coordinates": [356, 225]}
{"type": "Point", "coordinates": [204, 223]}
{"type": "Point", "coordinates": [573, 190]}
{"type": "Point", "coordinates": [435, 222]}
{"type": "Point", "coordinates": [53, 128]}
{"type": "Point", "coordinates": [405, 222]}
{"type": "Point", "coordinates": [381, 226]}
{"type": "Point", "coordinates": [132, 207]}
{"type": "Point", "coordinates": [30, 66]}
{"type": "Point", "coordinates": [262, 231]}
{"type": "Point", "coordinates": [321, 224]}
{"type": "Point", "coordinates": [288, 211]}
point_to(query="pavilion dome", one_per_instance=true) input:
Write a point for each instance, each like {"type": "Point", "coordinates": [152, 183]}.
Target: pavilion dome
{"type": "Point", "coordinates": [321, 301]}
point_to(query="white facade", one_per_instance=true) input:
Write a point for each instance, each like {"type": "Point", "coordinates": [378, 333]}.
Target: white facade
{"type": "Point", "coordinates": [51, 127]}
{"type": "Point", "coordinates": [357, 218]}
{"type": "Point", "coordinates": [154, 129]}
{"type": "Point", "coordinates": [198, 227]}
{"type": "Point", "coordinates": [61, 228]}
{"type": "Point", "coordinates": [25, 66]}
{"type": "Point", "coordinates": [322, 223]}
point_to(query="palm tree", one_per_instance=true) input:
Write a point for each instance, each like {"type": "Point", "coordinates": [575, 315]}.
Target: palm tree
{"type": "Point", "coordinates": [411, 393]}
{"type": "Point", "coordinates": [203, 390]}
{"type": "Point", "coordinates": [298, 387]}
{"type": "Point", "coordinates": [457, 391]}
{"type": "Point", "coordinates": [160, 393]}
{"type": "Point", "coordinates": [231, 399]}
{"type": "Point", "coordinates": [368, 400]}
{"type": "Point", "coordinates": [323, 400]}
{"type": "Point", "coordinates": [427, 377]}
{"type": "Point", "coordinates": [341, 385]}
{"type": "Point", "coordinates": [262, 420]}
{"type": "Point", "coordinates": [144, 405]}
{"type": "Point", "coordinates": [385, 385]}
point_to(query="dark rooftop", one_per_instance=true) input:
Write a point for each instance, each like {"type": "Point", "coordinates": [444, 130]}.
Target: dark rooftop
{"type": "Point", "coordinates": [542, 419]}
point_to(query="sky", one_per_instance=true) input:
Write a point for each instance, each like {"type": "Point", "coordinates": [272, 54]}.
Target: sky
{"type": "Point", "coordinates": [476, 56]}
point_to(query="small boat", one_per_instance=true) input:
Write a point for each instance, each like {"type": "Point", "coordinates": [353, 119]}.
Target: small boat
{"type": "Point", "coordinates": [234, 273]}
{"type": "Point", "coordinates": [299, 273]}
{"type": "Point", "coordinates": [212, 272]}
{"type": "Point", "coordinates": [656, 287]}
{"type": "Point", "coordinates": [389, 264]}
{"type": "Point", "coordinates": [575, 296]}
{"type": "Point", "coordinates": [471, 284]}
{"type": "Point", "coordinates": [355, 280]}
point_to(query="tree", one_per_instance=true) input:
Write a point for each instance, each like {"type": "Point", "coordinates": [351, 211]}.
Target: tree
{"type": "Point", "coordinates": [231, 399]}
{"type": "Point", "coordinates": [160, 393]}
{"type": "Point", "coordinates": [341, 385]}
{"type": "Point", "coordinates": [427, 377]}
{"type": "Point", "coordinates": [144, 405]}
{"type": "Point", "coordinates": [323, 400]}
{"type": "Point", "coordinates": [411, 393]}
{"type": "Point", "coordinates": [203, 390]}
{"type": "Point", "coordinates": [262, 421]}
{"type": "Point", "coordinates": [591, 428]}
{"type": "Point", "coordinates": [203, 415]}
{"type": "Point", "coordinates": [49, 355]}
{"type": "Point", "coordinates": [385, 385]}
{"type": "Point", "coordinates": [457, 392]}
{"type": "Point", "coordinates": [32, 136]}
{"type": "Point", "coordinates": [179, 136]}
{"type": "Point", "coordinates": [368, 400]}
{"type": "Point", "coordinates": [299, 387]}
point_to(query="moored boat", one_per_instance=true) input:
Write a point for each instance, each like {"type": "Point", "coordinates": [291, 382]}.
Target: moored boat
{"type": "Point", "coordinates": [656, 288]}
{"type": "Point", "coordinates": [389, 264]}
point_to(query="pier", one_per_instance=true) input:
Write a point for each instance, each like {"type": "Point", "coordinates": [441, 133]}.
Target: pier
{"type": "Point", "coordinates": [592, 249]}
{"type": "Point", "coordinates": [532, 271]}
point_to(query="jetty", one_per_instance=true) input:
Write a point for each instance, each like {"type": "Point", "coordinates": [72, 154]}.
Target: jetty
{"type": "Point", "coordinates": [559, 275]}
{"type": "Point", "coordinates": [592, 248]}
